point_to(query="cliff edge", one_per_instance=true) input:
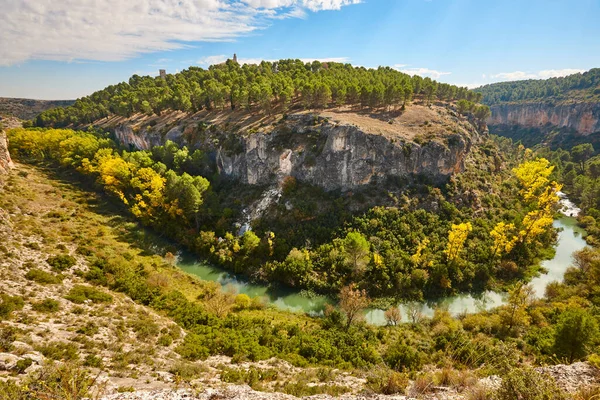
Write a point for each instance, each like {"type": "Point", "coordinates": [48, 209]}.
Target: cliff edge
{"type": "Point", "coordinates": [338, 149]}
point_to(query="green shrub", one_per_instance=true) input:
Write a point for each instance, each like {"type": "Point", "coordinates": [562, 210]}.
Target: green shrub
{"type": "Point", "coordinates": [187, 371]}
{"type": "Point", "coordinates": [193, 348]}
{"type": "Point", "coordinates": [165, 340]}
{"type": "Point", "coordinates": [47, 306]}
{"type": "Point", "coordinates": [9, 390]}
{"type": "Point", "coordinates": [43, 277]}
{"type": "Point", "coordinates": [89, 329]}
{"type": "Point", "coordinates": [92, 360]}
{"type": "Point", "coordinates": [387, 382]}
{"type": "Point", "coordinates": [61, 262]}
{"type": "Point", "coordinates": [403, 357]}
{"type": "Point", "coordinates": [9, 304]}
{"type": "Point", "coordinates": [144, 328]}
{"type": "Point", "coordinates": [22, 365]}
{"type": "Point", "coordinates": [527, 384]}
{"type": "Point", "coordinates": [8, 334]}
{"type": "Point", "coordinates": [80, 293]}
{"type": "Point", "coordinates": [59, 351]}
{"type": "Point", "coordinates": [63, 381]}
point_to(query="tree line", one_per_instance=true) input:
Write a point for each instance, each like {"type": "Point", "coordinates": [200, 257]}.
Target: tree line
{"type": "Point", "coordinates": [262, 87]}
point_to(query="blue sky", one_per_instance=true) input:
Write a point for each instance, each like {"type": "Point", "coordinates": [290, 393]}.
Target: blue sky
{"type": "Point", "coordinates": [68, 49]}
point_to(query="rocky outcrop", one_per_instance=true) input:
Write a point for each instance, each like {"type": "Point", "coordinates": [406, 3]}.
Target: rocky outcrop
{"type": "Point", "coordinates": [580, 118]}
{"type": "Point", "coordinates": [334, 156]}
{"type": "Point", "coordinates": [5, 160]}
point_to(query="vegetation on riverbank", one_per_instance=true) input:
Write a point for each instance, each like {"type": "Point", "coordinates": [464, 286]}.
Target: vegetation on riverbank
{"type": "Point", "coordinates": [429, 243]}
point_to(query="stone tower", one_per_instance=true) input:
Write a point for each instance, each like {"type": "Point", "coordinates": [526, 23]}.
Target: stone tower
{"type": "Point", "coordinates": [163, 73]}
{"type": "Point", "coordinates": [235, 57]}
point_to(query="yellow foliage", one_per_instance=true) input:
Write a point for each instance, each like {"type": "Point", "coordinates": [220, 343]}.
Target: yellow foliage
{"type": "Point", "coordinates": [377, 259]}
{"type": "Point", "coordinates": [456, 239]}
{"type": "Point", "coordinates": [535, 223]}
{"type": "Point", "coordinates": [504, 238]}
{"type": "Point", "coordinates": [419, 257]}
{"type": "Point", "coordinates": [534, 177]}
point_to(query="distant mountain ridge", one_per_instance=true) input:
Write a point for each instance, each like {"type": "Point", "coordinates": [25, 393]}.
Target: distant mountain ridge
{"type": "Point", "coordinates": [29, 108]}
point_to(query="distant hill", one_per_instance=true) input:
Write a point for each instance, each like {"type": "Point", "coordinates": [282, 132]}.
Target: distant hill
{"type": "Point", "coordinates": [581, 87]}
{"type": "Point", "coordinates": [266, 88]}
{"type": "Point", "coordinates": [29, 108]}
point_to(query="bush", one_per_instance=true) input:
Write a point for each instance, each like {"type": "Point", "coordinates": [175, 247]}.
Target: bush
{"type": "Point", "coordinates": [187, 371]}
{"type": "Point", "coordinates": [9, 390]}
{"type": "Point", "coordinates": [43, 277]}
{"type": "Point", "coordinates": [89, 329]}
{"type": "Point", "coordinates": [527, 384]}
{"type": "Point", "coordinates": [61, 262]}
{"type": "Point", "coordinates": [193, 348]}
{"type": "Point", "coordinates": [79, 294]}
{"type": "Point", "coordinates": [47, 306]}
{"type": "Point", "coordinates": [59, 351]}
{"type": "Point", "coordinates": [63, 381]}
{"type": "Point", "coordinates": [8, 334]}
{"type": "Point", "coordinates": [144, 328]}
{"type": "Point", "coordinates": [165, 340]}
{"type": "Point", "coordinates": [402, 357]}
{"type": "Point", "coordinates": [387, 382]}
{"type": "Point", "coordinates": [9, 304]}
{"type": "Point", "coordinates": [22, 365]}
{"type": "Point", "coordinates": [94, 361]}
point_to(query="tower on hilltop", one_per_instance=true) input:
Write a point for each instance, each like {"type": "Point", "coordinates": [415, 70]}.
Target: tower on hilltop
{"type": "Point", "coordinates": [163, 73]}
{"type": "Point", "coordinates": [235, 57]}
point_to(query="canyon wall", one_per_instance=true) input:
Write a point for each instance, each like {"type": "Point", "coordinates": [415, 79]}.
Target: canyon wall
{"type": "Point", "coordinates": [581, 118]}
{"type": "Point", "coordinates": [330, 155]}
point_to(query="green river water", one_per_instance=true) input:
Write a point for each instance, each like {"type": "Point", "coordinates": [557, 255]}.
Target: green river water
{"type": "Point", "coordinates": [570, 239]}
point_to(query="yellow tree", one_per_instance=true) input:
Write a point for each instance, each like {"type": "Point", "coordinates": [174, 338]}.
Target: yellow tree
{"type": "Point", "coordinates": [456, 240]}
{"type": "Point", "coordinates": [114, 172]}
{"type": "Point", "coordinates": [504, 239]}
{"type": "Point", "coordinates": [534, 177]}
{"type": "Point", "coordinates": [149, 189]}
{"type": "Point", "coordinates": [421, 257]}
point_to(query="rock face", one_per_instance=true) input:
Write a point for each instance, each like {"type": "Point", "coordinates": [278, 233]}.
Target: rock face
{"type": "Point", "coordinates": [581, 118]}
{"type": "Point", "coordinates": [320, 152]}
{"type": "Point", "coordinates": [5, 160]}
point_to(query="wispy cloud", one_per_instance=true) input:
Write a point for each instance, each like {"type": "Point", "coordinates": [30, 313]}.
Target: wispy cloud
{"type": "Point", "coordinates": [217, 59]}
{"type": "Point", "coordinates": [432, 73]}
{"type": "Point", "coordinates": [114, 30]}
{"type": "Point", "coordinates": [544, 74]}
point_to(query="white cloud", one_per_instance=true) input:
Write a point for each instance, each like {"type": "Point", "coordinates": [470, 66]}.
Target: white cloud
{"type": "Point", "coordinates": [432, 73]}
{"type": "Point", "coordinates": [114, 30]}
{"type": "Point", "coordinates": [217, 59]}
{"type": "Point", "coordinates": [554, 73]}
{"type": "Point", "coordinates": [544, 74]}
{"type": "Point", "coordinates": [313, 5]}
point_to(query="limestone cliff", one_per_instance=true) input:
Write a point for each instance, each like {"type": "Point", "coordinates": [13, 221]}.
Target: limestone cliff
{"type": "Point", "coordinates": [580, 118]}
{"type": "Point", "coordinates": [5, 160]}
{"type": "Point", "coordinates": [334, 151]}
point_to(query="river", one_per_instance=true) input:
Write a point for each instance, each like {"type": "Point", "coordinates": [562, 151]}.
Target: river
{"type": "Point", "coordinates": [570, 240]}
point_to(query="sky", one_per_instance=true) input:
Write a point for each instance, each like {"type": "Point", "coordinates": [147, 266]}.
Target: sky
{"type": "Point", "coordinates": [70, 48]}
